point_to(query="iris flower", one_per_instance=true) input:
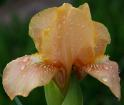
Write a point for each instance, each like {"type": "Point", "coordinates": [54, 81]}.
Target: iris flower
{"type": "Point", "coordinates": [67, 40]}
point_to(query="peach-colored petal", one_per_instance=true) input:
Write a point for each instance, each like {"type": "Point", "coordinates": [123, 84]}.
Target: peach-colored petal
{"type": "Point", "coordinates": [47, 30]}
{"type": "Point", "coordinates": [64, 34]}
{"type": "Point", "coordinates": [41, 25]}
{"type": "Point", "coordinates": [85, 10]}
{"type": "Point", "coordinates": [106, 72]}
{"type": "Point", "coordinates": [102, 38]}
{"type": "Point", "coordinates": [26, 73]}
{"type": "Point", "coordinates": [80, 29]}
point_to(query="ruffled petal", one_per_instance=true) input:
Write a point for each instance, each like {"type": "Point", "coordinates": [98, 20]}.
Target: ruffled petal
{"type": "Point", "coordinates": [26, 73]}
{"type": "Point", "coordinates": [82, 36]}
{"type": "Point", "coordinates": [41, 28]}
{"type": "Point", "coordinates": [106, 72]}
{"type": "Point", "coordinates": [102, 38]}
{"type": "Point", "coordinates": [85, 10]}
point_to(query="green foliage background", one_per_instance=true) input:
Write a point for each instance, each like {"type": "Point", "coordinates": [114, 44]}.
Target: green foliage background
{"type": "Point", "coordinates": [15, 42]}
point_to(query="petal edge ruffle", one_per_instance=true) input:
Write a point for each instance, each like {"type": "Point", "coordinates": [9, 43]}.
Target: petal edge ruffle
{"type": "Point", "coordinates": [107, 73]}
{"type": "Point", "coordinates": [26, 73]}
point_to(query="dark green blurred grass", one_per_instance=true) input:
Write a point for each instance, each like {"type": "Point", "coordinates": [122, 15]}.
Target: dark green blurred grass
{"type": "Point", "coordinates": [15, 42]}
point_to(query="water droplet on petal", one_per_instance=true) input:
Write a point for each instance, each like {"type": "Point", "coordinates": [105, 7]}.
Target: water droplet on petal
{"type": "Point", "coordinates": [105, 79]}
{"type": "Point", "coordinates": [25, 59]}
{"type": "Point", "coordinates": [83, 26]}
{"type": "Point", "coordinates": [106, 68]}
{"type": "Point", "coordinates": [22, 68]}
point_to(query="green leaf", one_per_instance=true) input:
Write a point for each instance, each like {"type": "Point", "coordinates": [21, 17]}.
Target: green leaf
{"type": "Point", "coordinates": [74, 95]}
{"type": "Point", "coordinates": [17, 101]}
{"type": "Point", "coordinates": [53, 94]}
{"type": "Point", "coordinates": [55, 97]}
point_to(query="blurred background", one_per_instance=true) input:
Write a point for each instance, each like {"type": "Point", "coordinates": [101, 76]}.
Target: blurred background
{"type": "Point", "coordinates": [15, 42]}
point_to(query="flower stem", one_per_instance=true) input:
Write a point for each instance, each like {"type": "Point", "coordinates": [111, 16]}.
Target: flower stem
{"type": "Point", "coordinates": [17, 101]}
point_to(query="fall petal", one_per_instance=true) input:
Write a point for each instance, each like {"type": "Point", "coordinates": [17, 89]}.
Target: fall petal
{"type": "Point", "coordinates": [106, 72]}
{"type": "Point", "coordinates": [26, 73]}
{"type": "Point", "coordinates": [102, 38]}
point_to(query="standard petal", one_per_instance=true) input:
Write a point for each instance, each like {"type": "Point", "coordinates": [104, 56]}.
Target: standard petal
{"type": "Point", "coordinates": [42, 26]}
{"type": "Point", "coordinates": [107, 73]}
{"type": "Point", "coordinates": [85, 10]}
{"type": "Point", "coordinates": [26, 73]}
{"type": "Point", "coordinates": [102, 38]}
{"type": "Point", "coordinates": [80, 29]}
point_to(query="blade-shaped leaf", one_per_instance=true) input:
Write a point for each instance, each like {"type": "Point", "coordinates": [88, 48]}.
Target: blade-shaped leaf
{"type": "Point", "coordinates": [53, 94]}
{"type": "Point", "coordinates": [74, 95]}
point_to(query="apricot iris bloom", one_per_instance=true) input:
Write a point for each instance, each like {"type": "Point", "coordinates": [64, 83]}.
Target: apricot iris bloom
{"type": "Point", "coordinates": [65, 37]}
